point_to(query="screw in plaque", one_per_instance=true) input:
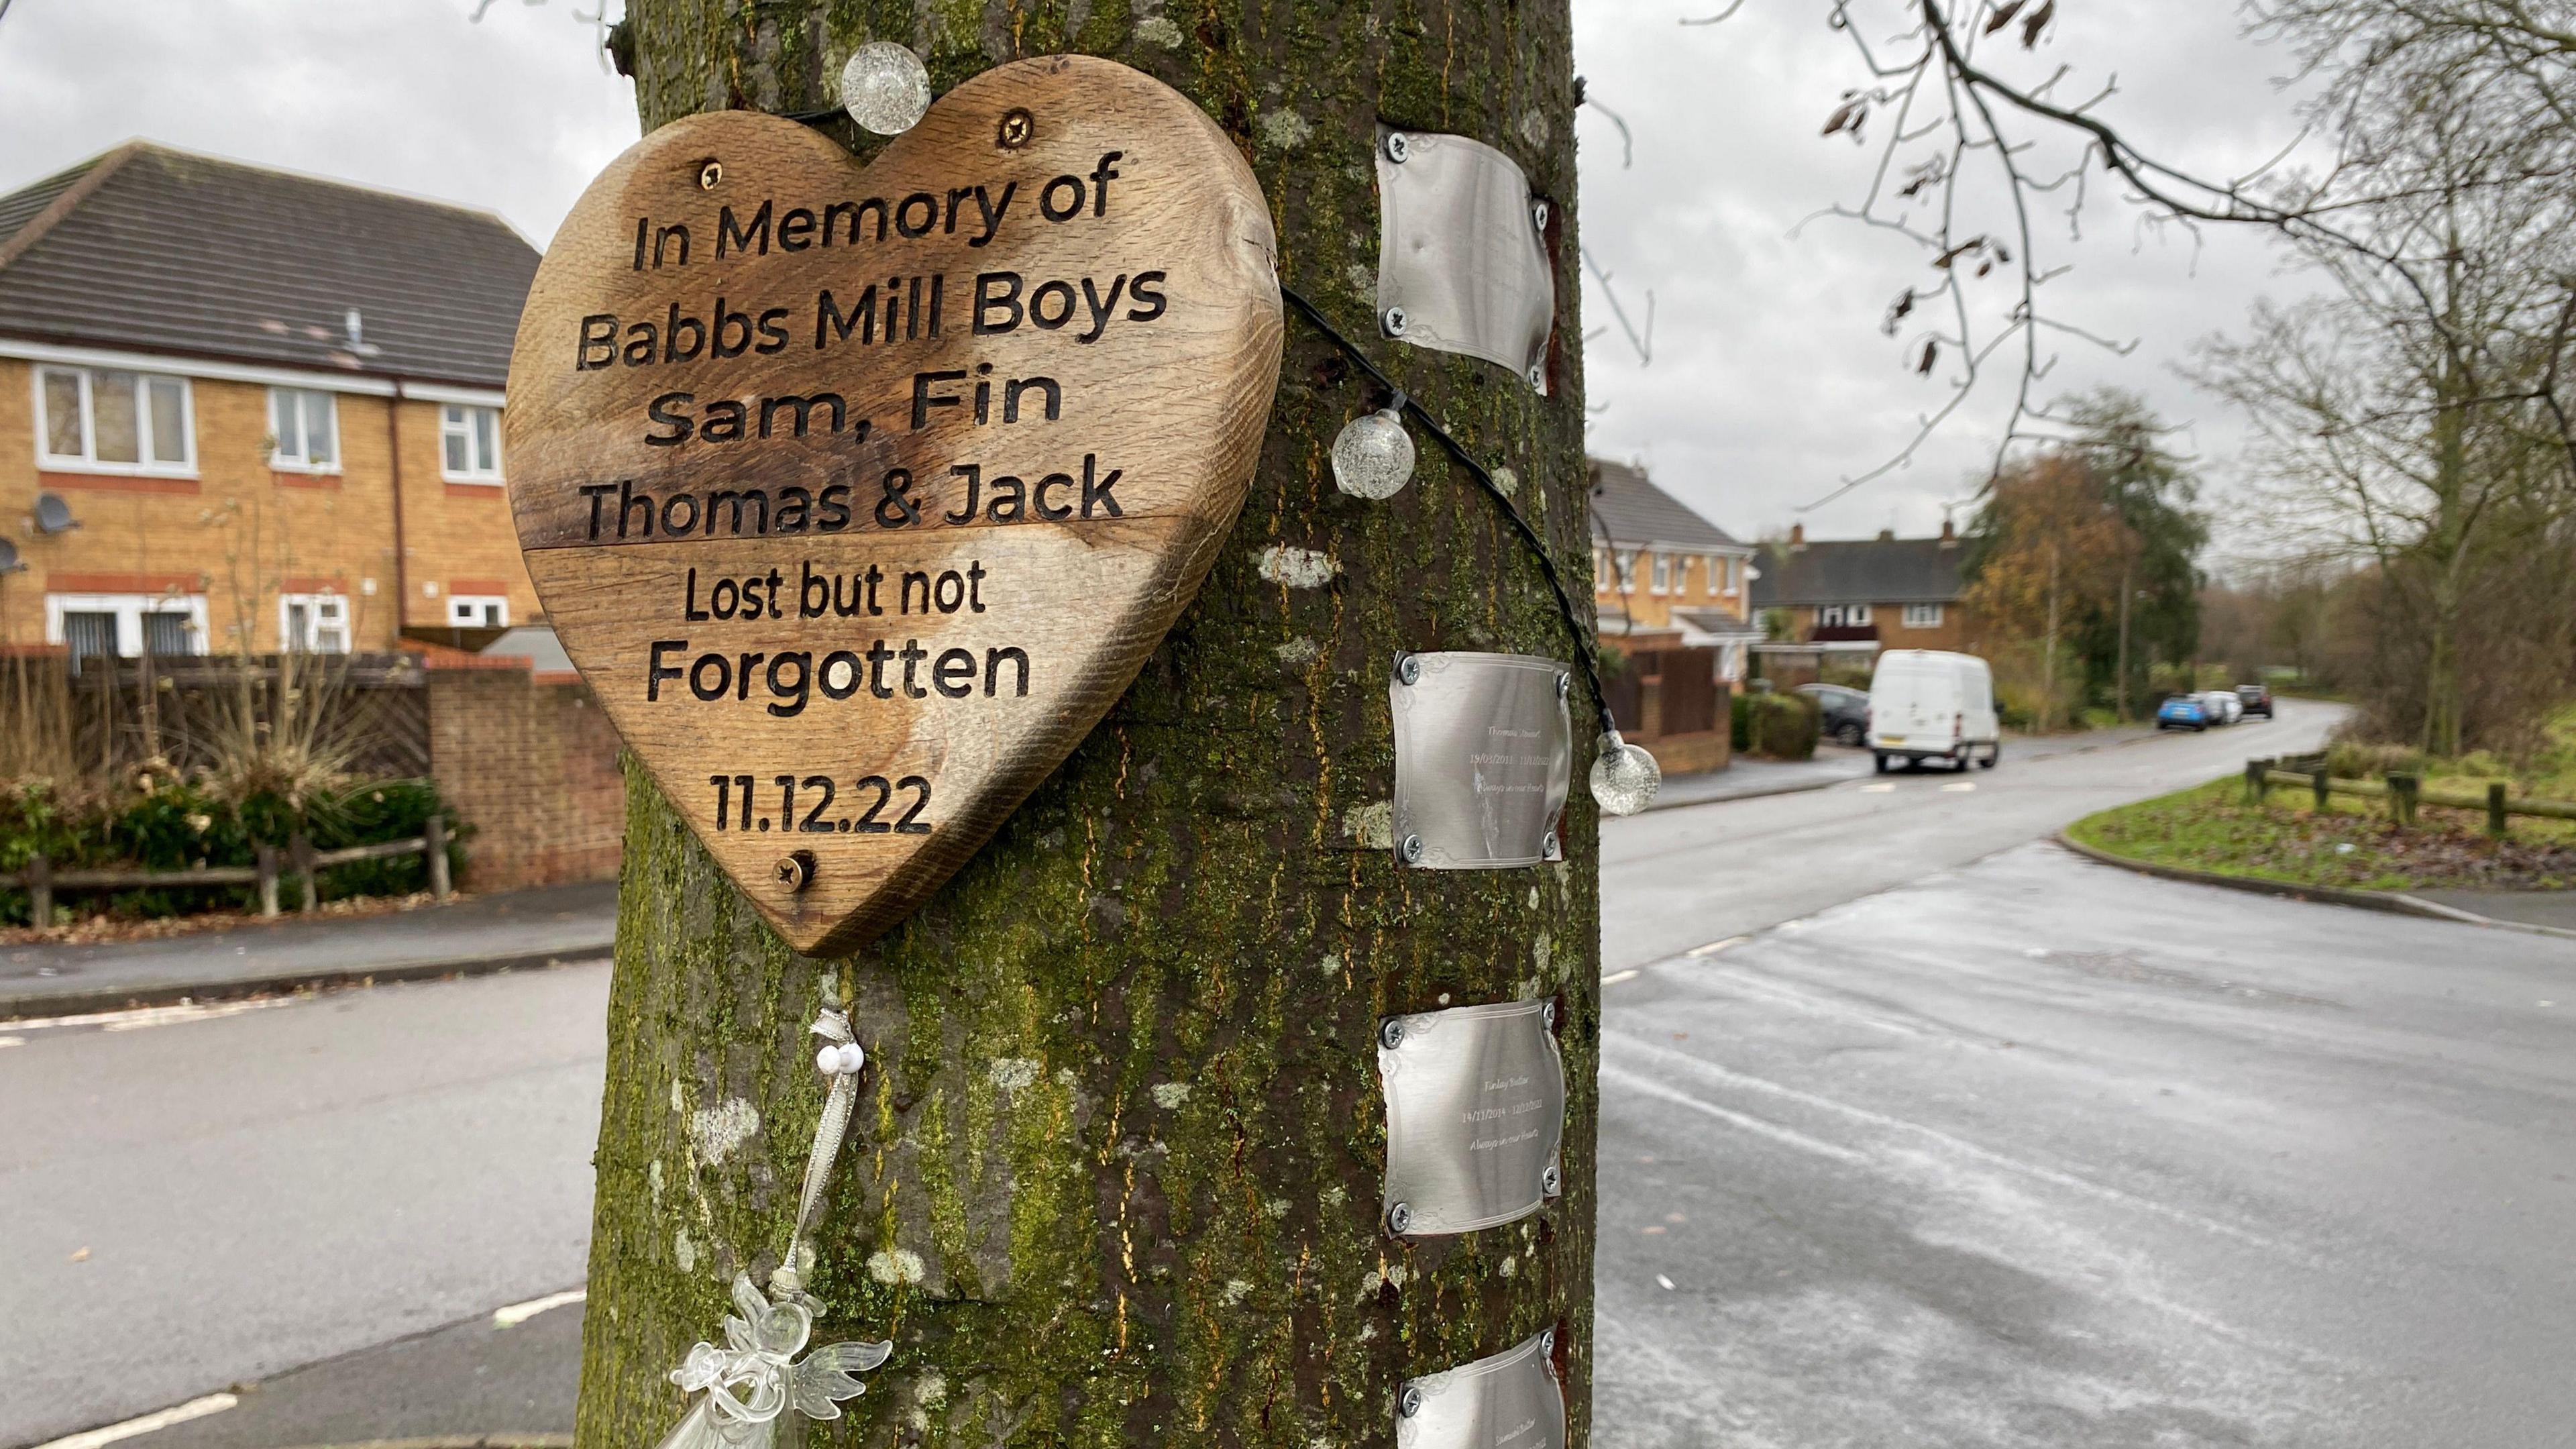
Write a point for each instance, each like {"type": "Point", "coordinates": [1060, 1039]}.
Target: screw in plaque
{"type": "Point", "coordinates": [1398, 146]}
{"type": "Point", "coordinates": [1393, 320]}
{"type": "Point", "coordinates": [1538, 214]}
{"type": "Point", "coordinates": [795, 870]}
{"type": "Point", "coordinates": [1412, 850]}
{"type": "Point", "coordinates": [710, 171]}
{"type": "Point", "coordinates": [1399, 1219]}
{"type": "Point", "coordinates": [1547, 1015]}
{"type": "Point", "coordinates": [1018, 129]}
{"type": "Point", "coordinates": [1390, 1033]}
{"type": "Point", "coordinates": [1550, 1181]}
{"type": "Point", "coordinates": [1408, 667]}
{"type": "Point", "coordinates": [1409, 1403]}
{"type": "Point", "coordinates": [1549, 847]}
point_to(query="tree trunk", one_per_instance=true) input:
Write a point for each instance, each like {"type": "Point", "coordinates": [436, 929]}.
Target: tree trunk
{"type": "Point", "coordinates": [1114, 1175]}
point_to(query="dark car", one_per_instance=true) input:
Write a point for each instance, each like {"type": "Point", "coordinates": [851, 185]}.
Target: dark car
{"type": "Point", "coordinates": [2257, 698]}
{"type": "Point", "coordinates": [1843, 714]}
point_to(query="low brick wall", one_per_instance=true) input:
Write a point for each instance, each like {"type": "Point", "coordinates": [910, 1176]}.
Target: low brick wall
{"type": "Point", "coordinates": [530, 761]}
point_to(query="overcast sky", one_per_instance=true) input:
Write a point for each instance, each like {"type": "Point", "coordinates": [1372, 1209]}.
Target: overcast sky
{"type": "Point", "coordinates": [1770, 382]}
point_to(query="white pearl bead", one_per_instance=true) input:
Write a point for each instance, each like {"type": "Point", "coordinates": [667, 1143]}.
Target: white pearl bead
{"type": "Point", "coordinates": [828, 1060]}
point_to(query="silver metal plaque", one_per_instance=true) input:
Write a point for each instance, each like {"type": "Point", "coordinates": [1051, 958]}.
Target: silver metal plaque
{"type": "Point", "coordinates": [1461, 265]}
{"type": "Point", "coordinates": [1509, 1401]}
{"type": "Point", "coordinates": [1483, 753]}
{"type": "Point", "coordinates": [1475, 1112]}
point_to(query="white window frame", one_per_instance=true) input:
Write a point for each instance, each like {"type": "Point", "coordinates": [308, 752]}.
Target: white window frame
{"type": "Point", "coordinates": [456, 421]}
{"type": "Point", "coordinates": [129, 610]}
{"type": "Point", "coordinates": [1923, 616]}
{"type": "Point", "coordinates": [1659, 573]}
{"type": "Point", "coordinates": [295, 462]}
{"type": "Point", "coordinates": [1623, 566]}
{"type": "Point", "coordinates": [87, 459]}
{"type": "Point", "coordinates": [287, 638]}
{"type": "Point", "coordinates": [1842, 616]}
{"type": "Point", "coordinates": [1735, 575]}
{"type": "Point", "coordinates": [475, 604]}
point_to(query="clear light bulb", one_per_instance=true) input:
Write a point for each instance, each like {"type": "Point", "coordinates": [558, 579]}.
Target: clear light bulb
{"type": "Point", "coordinates": [884, 88]}
{"type": "Point", "coordinates": [1624, 776]}
{"type": "Point", "coordinates": [1373, 457]}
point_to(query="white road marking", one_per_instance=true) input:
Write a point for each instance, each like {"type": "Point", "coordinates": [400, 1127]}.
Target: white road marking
{"type": "Point", "coordinates": [1789, 1137]}
{"type": "Point", "coordinates": [1877, 789]}
{"type": "Point", "coordinates": [1713, 947]}
{"type": "Point", "coordinates": [1960, 788]}
{"type": "Point", "coordinates": [138, 1017]}
{"type": "Point", "coordinates": [10, 1041]}
{"type": "Point", "coordinates": [518, 1313]}
{"type": "Point", "coordinates": [1615, 977]}
{"type": "Point", "coordinates": [148, 1423]}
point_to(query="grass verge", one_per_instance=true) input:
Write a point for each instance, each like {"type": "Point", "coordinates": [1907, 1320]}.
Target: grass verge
{"type": "Point", "coordinates": [2210, 827]}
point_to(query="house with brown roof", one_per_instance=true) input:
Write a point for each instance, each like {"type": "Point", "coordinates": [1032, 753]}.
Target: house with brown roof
{"type": "Point", "coordinates": [245, 408]}
{"type": "Point", "coordinates": [1662, 576]}
{"type": "Point", "coordinates": [1856, 597]}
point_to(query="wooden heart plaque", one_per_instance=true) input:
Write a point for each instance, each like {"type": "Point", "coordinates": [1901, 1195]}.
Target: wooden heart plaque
{"type": "Point", "coordinates": [858, 494]}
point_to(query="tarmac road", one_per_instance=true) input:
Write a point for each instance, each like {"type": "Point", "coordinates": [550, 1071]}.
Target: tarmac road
{"type": "Point", "coordinates": [2209, 1169]}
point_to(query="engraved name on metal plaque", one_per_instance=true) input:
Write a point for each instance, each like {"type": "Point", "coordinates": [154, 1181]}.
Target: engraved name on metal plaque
{"type": "Point", "coordinates": [1475, 1111]}
{"type": "Point", "coordinates": [1483, 752]}
{"type": "Point", "coordinates": [1509, 1401]}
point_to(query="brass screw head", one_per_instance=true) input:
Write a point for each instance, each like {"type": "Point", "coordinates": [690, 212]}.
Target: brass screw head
{"type": "Point", "coordinates": [1018, 129]}
{"type": "Point", "coordinates": [795, 870]}
{"type": "Point", "coordinates": [709, 173]}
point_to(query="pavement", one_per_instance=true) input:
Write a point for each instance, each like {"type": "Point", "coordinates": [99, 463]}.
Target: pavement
{"type": "Point", "coordinates": [2555, 909]}
{"type": "Point", "coordinates": [1747, 778]}
{"type": "Point", "coordinates": [486, 933]}
{"type": "Point", "coordinates": [1914, 1132]}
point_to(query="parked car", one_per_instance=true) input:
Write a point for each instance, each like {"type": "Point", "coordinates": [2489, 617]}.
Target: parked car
{"type": "Point", "coordinates": [1842, 714]}
{"type": "Point", "coordinates": [2257, 698]}
{"type": "Point", "coordinates": [1927, 704]}
{"type": "Point", "coordinates": [2224, 707]}
{"type": "Point", "coordinates": [2183, 712]}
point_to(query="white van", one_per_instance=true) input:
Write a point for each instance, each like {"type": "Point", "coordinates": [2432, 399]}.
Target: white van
{"type": "Point", "coordinates": [1928, 705]}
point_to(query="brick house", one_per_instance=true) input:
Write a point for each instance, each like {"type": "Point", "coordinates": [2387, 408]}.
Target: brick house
{"type": "Point", "coordinates": [241, 408]}
{"type": "Point", "coordinates": [1855, 597]}
{"type": "Point", "coordinates": [1661, 572]}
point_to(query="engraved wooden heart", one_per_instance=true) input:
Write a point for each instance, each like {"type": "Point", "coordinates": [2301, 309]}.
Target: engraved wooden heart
{"type": "Point", "coordinates": [858, 494]}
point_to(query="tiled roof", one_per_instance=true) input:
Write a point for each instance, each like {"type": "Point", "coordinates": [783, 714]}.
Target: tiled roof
{"type": "Point", "coordinates": [146, 249]}
{"type": "Point", "coordinates": [1859, 571]}
{"type": "Point", "coordinates": [1630, 511]}
{"type": "Point", "coordinates": [1715, 621]}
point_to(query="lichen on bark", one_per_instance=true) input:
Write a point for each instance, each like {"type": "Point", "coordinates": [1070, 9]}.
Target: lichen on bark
{"type": "Point", "coordinates": [1114, 1176]}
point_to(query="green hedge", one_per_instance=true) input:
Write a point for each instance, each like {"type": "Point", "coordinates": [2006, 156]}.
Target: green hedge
{"type": "Point", "coordinates": [1778, 726]}
{"type": "Point", "coordinates": [169, 823]}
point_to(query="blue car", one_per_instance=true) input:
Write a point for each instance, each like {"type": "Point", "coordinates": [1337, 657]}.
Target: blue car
{"type": "Point", "coordinates": [2183, 712]}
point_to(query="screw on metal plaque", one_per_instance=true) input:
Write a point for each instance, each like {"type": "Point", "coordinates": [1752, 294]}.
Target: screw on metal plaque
{"type": "Point", "coordinates": [1564, 685]}
{"type": "Point", "coordinates": [1549, 847]}
{"type": "Point", "coordinates": [1547, 1340]}
{"type": "Point", "coordinates": [1408, 667]}
{"type": "Point", "coordinates": [1547, 1013]}
{"type": "Point", "coordinates": [1551, 1181]}
{"type": "Point", "coordinates": [795, 869]}
{"type": "Point", "coordinates": [1409, 1403]}
{"type": "Point", "coordinates": [1399, 1219]}
{"type": "Point", "coordinates": [1018, 127]}
{"type": "Point", "coordinates": [709, 173]}
{"type": "Point", "coordinates": [1398, 146]}
{"type": "Point", "coordinates": [1394, 321]}
{"type": "Point", "coordinates": [1538, 376]}
{"type": "Point", "coordinates": [1390, 1034]}
{"type": "Point", "coordinates": [1538, 214]}
{"type": "Point", "coordinates": [1412, 849]}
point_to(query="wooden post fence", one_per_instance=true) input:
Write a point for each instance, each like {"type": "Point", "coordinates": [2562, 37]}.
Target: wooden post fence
{"type": "Point", "coordinates": [41, 881]}
{"type": "Point", "coordinates": [2495, 808]}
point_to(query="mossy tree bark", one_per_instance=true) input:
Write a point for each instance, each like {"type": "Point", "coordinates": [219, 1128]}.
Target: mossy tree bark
{"type": "Point", "coordinates": [1114, 1174]}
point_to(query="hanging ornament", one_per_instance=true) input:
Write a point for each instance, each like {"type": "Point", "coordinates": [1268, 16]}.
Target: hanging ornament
{"type": "Point", "coordinates": [884, 88]}
{"type": "Point", "coordinates": [1624, 776]}
{"type": "Point", "coordinates": [1373, 457]}
{"type": "Point", "coordinates": [756, 1377]}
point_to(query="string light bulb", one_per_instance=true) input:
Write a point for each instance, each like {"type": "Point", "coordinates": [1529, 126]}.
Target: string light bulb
{"type": "Point", "coordinates": [884, 87]}
{"type": "Point", "coordinates": [1373, 456]}
{"type": "Point", "coordinates": [1624, 776]}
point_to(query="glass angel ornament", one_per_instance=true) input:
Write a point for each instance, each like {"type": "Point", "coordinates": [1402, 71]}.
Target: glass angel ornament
{"type": "Point", "coordinates": [756, 1376]}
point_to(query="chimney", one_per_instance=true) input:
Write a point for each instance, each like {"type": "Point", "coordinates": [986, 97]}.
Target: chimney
{"type": "Point", "coordinates": [1887, 535]}
{"type": "Point", "coordinates": [1949, 534]}
{"type": "Point", "coordinates": [1797, 535]}
{"type": "Point", "coordinates": [357, 326]}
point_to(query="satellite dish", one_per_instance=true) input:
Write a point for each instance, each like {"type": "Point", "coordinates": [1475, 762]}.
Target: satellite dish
{"type": "Point", "coordinates": [10, 563]}
{"type": "Point", "coordinates": [53, 515]}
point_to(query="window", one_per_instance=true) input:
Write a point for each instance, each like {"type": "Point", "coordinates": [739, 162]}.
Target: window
{"type": "Point", "coordinates": [1600, 571]}
{"type": "Point", "coordinates": [313, 623]}
{"type": "Point", "coordinates": [306, 428]}
{"type": "Point", "coordinates": [1923, 616]}
{"type": "Point", "coordinates": [1839, 616]}
{"type": "Point", "coordinates": [1735, 575]}
{"type": "Point", "coordinates": [1663, 574]}
{"type": "Point", "coordinates": [478, 611]}
{"type": "Point", "coordinates": [471, 438]}
{"type": "Point", "coordinates": [1625, 566]}
{"type": "Point", "coordinates": [1711, 571]}
{"type": "Point", "coordinates": [126, 625]}
{"type": "Point", "coordinates": [108, 420]}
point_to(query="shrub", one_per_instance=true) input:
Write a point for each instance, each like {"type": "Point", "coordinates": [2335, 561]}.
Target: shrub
{"type": "Point", "coordinates": [2354, 760]}
{"type": "Point", "coordinates": [1779, 726]}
